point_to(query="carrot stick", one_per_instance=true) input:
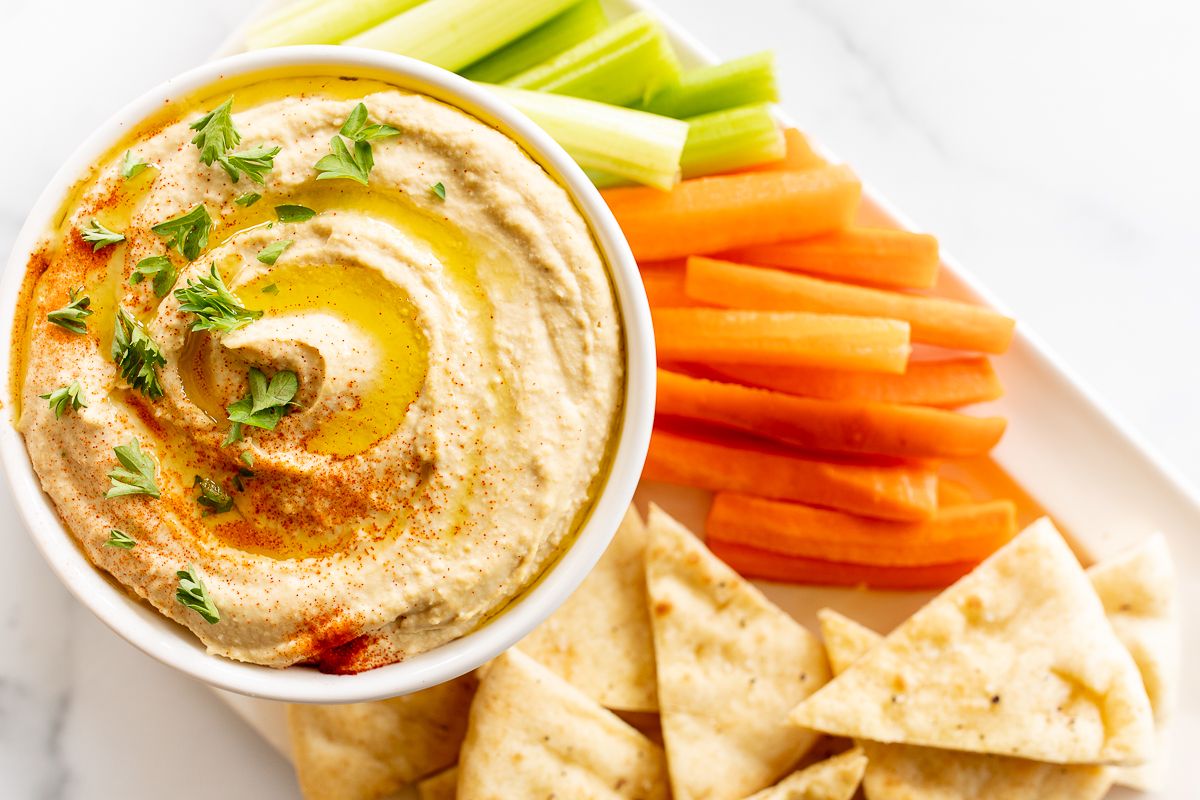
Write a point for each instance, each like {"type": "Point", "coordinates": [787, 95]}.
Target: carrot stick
{"type": "Point", "coordinates": [664, 288]}
{"type": "Point", "coordinates": [721, 212]}
{"type": "Point", "coordinates": [753, 563]}
{"type": "Point", "coordinates": [953, 493]}
{"type": "Point", "coordinates": [934, 320]}
{"type": "Point", "coordinates": [868, 255]}
{"type": "Point", "coordinates": [722, 336]}
{"type": "Point", "coordinates": [907, 492]}
{"type": "Point", "coordinates": [948, 383]}
{"type": "Point", "coordinates": [960, 533]}
{"type": "Point", "coordinates": [826, 425]}
{"type": "Point", "coordinates": [799, 156]}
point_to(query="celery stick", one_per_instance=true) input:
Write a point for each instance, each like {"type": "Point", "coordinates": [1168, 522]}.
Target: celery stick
{"type": "Point", "coordinates": [322, 21]}
{"type": "Point", "coordinates": [561, 33]}
{"type": "Point", "coordinates": [619, 65]}
{"type": "Point", "coordinates": [740, 82]}
{"type": "Point", "coordinates": [633, 145]}
{"type": "Point", "coordinates": [453, 34]}
{"type": "Point", "coordinates": [729, 139]}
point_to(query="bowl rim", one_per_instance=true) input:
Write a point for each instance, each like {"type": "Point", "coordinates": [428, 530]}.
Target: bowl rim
{"type": "Point", "coordinates": [172, 644]}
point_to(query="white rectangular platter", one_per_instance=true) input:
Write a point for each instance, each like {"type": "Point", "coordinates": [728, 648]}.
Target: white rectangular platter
{"type": "Point", "coordinates": [1062, 448]}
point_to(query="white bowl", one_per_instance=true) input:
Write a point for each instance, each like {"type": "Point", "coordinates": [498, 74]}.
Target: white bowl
{"type": "Point", "coordinates": [173, 644]}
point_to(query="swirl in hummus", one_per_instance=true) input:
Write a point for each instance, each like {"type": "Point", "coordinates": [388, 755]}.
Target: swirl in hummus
{"type": "Point", "coordinates": [458, 358]}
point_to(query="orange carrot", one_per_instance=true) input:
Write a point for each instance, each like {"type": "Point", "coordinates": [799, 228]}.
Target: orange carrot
{"type": "Point", "coordinates": [754, 563]}
{"type": "Point", "coordinates": [906, 492]}
{"type": "Point", "coordinates": [960, 533]}
{"type": "Point", "coordinates": [867, 255]}
{"type": "Point", "coordinates": [664, 288]}
{"type": "Point", "coordinates": [948, 383]}
{"type": "Point", "coordinates": [799, 156]}
{"type": "Point", "coordinates": [826, 425]}
{"type": "Point", "coordinates": [721, 212]}
{"type": "Point", "coordinates": [721, 336]}
{"type": "Point", "coordinates": [934, 320]}
{"type": "Point", "coordinates": [953, 493]}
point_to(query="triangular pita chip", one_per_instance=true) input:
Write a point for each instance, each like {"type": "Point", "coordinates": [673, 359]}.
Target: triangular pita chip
{"type": "Point", "coordinates": [534, 735]}
{"type": "Point", "coordinates": [599, 641]}
{"type": "Point", "coordinates": [835, 778]}
{"type": "Point", "coordinates": [730, 667]}
{"type": "Point", "coordinates": [1016, 658]}
{"type": "Point", "coordinates": [1138, 591]}
{"type": "Point", "coordinates": [909, 772]}
{"type": "Point", "coordinates": [442, 786]}
{"type": "Point", "coordinates": [366, 751]}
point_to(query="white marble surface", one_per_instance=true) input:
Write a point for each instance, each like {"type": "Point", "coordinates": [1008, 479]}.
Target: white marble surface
{"type": "Point", "coordinates": [1050, 144]}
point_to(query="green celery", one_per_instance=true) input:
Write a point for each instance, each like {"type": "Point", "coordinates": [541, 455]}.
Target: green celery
{"type": "Point", "coordinates": [322, 21]}
{"type": "Point", "coordinates": [453, 34]}
{"type": "Point", "coordinates": [730, 139]}
{"type": "Point", "coordinates": [633, 145]}
{"type": "Point", "coordinates": [740, 82]}
{"type": "Point", "coordinates": [620, 65]}
{"type": "Point", "coordinates": [561, 33]}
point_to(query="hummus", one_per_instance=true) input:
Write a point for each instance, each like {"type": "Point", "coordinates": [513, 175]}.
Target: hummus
{"type": "Point", "coordinates": [458, 360]}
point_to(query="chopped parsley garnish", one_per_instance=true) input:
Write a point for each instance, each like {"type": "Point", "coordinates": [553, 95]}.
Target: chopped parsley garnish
{"type": "Point", "coordinates": [439, 190]}
{"type": "Point", "coordinates": [73, 316]}
{"type": "Point", "coordinates": [255, 162]}
{"type": "Point", "coordinates": [248, 199]}
{"type": "Point", "coordinates": [356, 129]}
{"type": "Point", "coordinates": [65, 398]}
{"type": "Point", "coordinates": [240, 477]}
{"type": "Point", "coordinates": [271, 253]}
{"type": "Point", "coordinates": [132, 166]}
{"type": "Point", "coordinates": [212, 495]}
{"type": "Point", "coordinates": [120, 540]}
{"type": "Point", "coordinates": [99, 236]}
{"type": "Point", "coordinates": [160, 269]}
{"type": "Point", "coordinates": [341, 163]}
{"type": "Point", "coordinates": [192, 594]}
{"type": "Point", "coordinates": [248, 458]}
{"type": "Point", "coordinates": [216, 307]}
{"type": "Point", "coordinates": [294, 213]}
{"type": "Point", "coordinates": [266, 404]}
{"type": "Point", "coordinates": [216, 133]}
{"type": "Point", "coordinates": [135, 475]}
{"type": "Point", "coordinates": [137, 356]}
{"type": "Point", "coordinates": [187, 233]}
{"type": "Point", "coordinates": [271, 288]}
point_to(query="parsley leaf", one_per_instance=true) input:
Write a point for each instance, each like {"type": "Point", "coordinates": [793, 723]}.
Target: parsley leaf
{"type": "Point", "coordinates": [187, 233]}
{"type": "Point", "coordinates": [248, 457]}
{"type": "Point", "coordinates": [132, 166]}
{"type": "Point", "coordinates": [216, 133]}
{"type": "Point", "coordinates": [356, 129]}
{"type": "Point", "coordinates": [74, 314]}
{"type": "Point", "coordinates": [120, 540]}
{"type": "Point", "coordinates": [255, 162]}
{"type": "Point", "coordinates": [267, 402]}
{"type": "Point", "coordinates": [217, 307]}
{"type": "Point", "coordinates": [294, 213]}
{"type": "Point", "coordinates": [271, 253]}
{"type": "Point", "coordinates": [248, 199]}
{"type": "Point", "coordinates": [100, 236]}
{"type": "Point", "coordinates": [439, 190]}
{"type": "Point", "coordinates": [271, 288]}
{"type": "Point", "coordinates": [136, 473]}
{"type": "Point", "coordinates": [192, 594]}
{"type": "Point", "coordinates": [65, 398]}
{"type": "Point", "coordinates": [212, 495]}
{"type": "Point", "coordinates": [159, 268]}
{"type": "Point", "coordinates": [341, 163]}
{"type": "Point", "coordinates": [137, 355]}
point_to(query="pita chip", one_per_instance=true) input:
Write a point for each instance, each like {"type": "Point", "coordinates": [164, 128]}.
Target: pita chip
{"type": "Point", "coordinates": [599, 641]}
{"type": "Point", "coordinates": [531, 734]}
{"type": "Point", "coordinates": [909, 772]}
{"type": "Point", "coordinates": [1016, 658]}
{"type": "Point", "coordinates": [442, 786]}
{"type": "Point", "coordinates": [730, 667]}
{"type": "Point", "coordinates": [369, 751]}
{"type": "Point", "coordinates": [1138, 590]}
{"type": "Point", "coordinates": [835, 778]}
